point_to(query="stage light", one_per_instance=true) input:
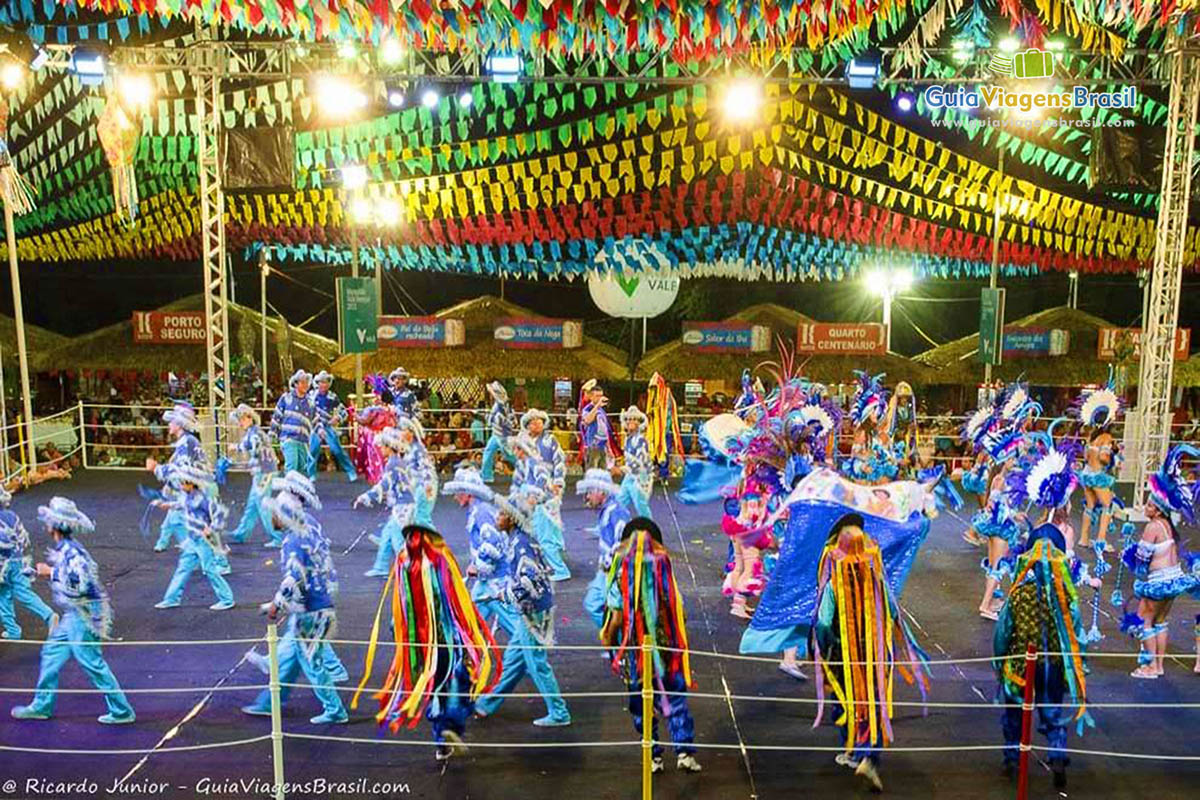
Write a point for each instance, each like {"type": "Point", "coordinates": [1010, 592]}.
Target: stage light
{"type": "Point", "coordinates": [338, 97]}
{"type": "Point", "coordinates": [504, 69]}
{"type": "Point", "coordinates": [430, 97]}
{"type": "Point", "coordinates": [862, 72]}
{"type": "Point", "coordinates": [354, 177]}
{"type": "Point", "coordinates": [89, 64]}
{"type": "Point", "coordinates": [465, 98]}
{"type": "Point", "coordinates": [1057, 45]}
{"type": "Point", "coordinates": [904, 102]}
{"type": "Point", "coordinates": [964, 50]}
{"type": "Point", "coordinates": [902, 280]}
{"type": "Point", "coordinates": [360, 210]}
{"type": "Point", "coordinates": [11, 75]}
{"type": "Point", "coordinates": [396, 97]}
{"type": "Point", "coordinates": [876, 281]}
{"type": "Point", "coordinates": [391, 51]}
{"type": "Point", "coordinates": [743, 100]}
{"type": "Point", "coordinates": [347, 49]}
{"type": "Point", "coordinates": [387, 212]}
{"type": "Point", "coordinates": [1009, 44]}
{"type": "Point", "coordinates": [135, 89]}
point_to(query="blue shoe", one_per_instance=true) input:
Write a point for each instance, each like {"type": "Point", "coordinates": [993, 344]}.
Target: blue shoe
{"type": "Point", "coordinates": [166, 604]}
{"type": "Point", "coordinates": [28, 712]}
{"type": "Point", "coordinates": [560, 576]}
{"type": "Point", "coordinates": [272, 545]}
{"type": "Point", "coordinates": [375, 573]}
{"type": "Point", "coordinates": [551, 721]}
{"type": "Point", "coordinates": [221, 606]}
{"type": "Point", "coordinates": [341, 676]}
{"type": "Point", "coordinates": [256, 711]}
{"type": "Point", "coordinates": [338, 718]}
{"type": "Point", "coordinates": [113, 719]}
{"type": "Point", "coordinates": [352, 477]}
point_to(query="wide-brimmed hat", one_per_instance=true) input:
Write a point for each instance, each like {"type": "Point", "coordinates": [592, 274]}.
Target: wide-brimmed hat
{"type": "Point", "coordinates": [398, 372]}
{"type": "Point", "coordinates": [297, 376]}
{"type": "Point", "coordinates": [406, 423]}
{"type": "Point", "coordinates": [322, 377]}
{"type": "Point", "coordinates": [599, 480]}
{"type": "Point", "coordinates": [589, 384]}
{"type": "Point", "coordinates": [299, 485]}
{"type": "Point", "coordinates": [288, 509]}
{"type": "Point", "coordinates": [244, 410]}
{"type": "Point", "coordinates": [498, 392]}
{"type": "Point", "coordinates": [633, 413]}
{"type": "Point", "coordinates": [391, 439]}
{"type": "Point", "coordinates": [467, 480]}
{"type": "Point", "coordinates": [1169, 487]}
{"type": "Point", "coordinates": [531, 415]}
{"type": "Point", "coordinates": [183, 415]}
{"type": "Point", "coordinates": [642, 524]}
{"type": "Point", "coordinates": [519, 504]}
{"type": "Point", "coordinates": [62, 514]}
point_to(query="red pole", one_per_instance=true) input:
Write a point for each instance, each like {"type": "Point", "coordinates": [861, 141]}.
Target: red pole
{"type": "Point", "coordinates": [1026, 725]}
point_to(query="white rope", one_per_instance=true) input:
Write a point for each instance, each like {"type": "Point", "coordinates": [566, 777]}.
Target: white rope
{"type": "Point", "coordinates": [143, 690]}
{"type": "Point", "coordinates": [142, 642]}
{"type": "Point", "coordinates": [137, 751]}
{"type": "Point", "coordinates": [1111, 754]}
{"type": "Point", "coordinates": [469, 744]}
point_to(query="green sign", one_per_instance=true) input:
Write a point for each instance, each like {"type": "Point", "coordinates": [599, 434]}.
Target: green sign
{"type": "Point", "coordinates": [991, 326]}
{"type": "Point", "coordinates": [358, 317]}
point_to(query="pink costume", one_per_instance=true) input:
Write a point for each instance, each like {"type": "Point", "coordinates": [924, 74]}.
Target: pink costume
{"type": "Point", "coordinates": [367, 458]}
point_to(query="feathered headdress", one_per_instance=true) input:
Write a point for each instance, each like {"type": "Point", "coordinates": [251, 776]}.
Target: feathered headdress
{"type": "Point", "coordinates": [437, 629]}
{"type": "Point", "coordinates": [1169, 486]}
{"type": "Point", "coordinates": [662, 428]}
{"type": "Point", "coordinates": [1099, 408]}
{"type": "Point", "coordinates": [870, 398]}
{"type": "Point", "coordinates": [978, 426]}
{"type": "Point", "coordinates": [1015, 404]}
{"type": "Point", "coordinates": [1046, 479]}
{"type": "Point", "coordinates": [651, 603]}
{"type": "Point", "coordinates": [871, 634]}
{"type": "Point", "coordinates": [1003, 441]}
{"type": "Point", "coordinates": [378, 383]}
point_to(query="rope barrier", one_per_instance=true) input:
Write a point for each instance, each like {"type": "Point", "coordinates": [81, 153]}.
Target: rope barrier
{"type": "Point", "coordinates": [424, 743]}
{"type": "Point", "coordinates": [135, 751]}
{"type": "Point", "coordinates": [143, 690]}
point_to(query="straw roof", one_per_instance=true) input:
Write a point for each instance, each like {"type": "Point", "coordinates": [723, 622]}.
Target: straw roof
{"type": "Point", "coordinates": [113, 348]}
{"type": "Point", "coordinates": [1187, 373]}
{"type": "Point", "coordinates": [481, 354]}
{"type": "Point", "coordinates": [675, 361]}
{"type": "Point", "coordinates": [38, 342]}
{"type": "Point", "coordinates": [955, 362]}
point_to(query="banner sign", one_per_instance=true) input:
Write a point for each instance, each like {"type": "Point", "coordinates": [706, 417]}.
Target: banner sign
{"type": "Point", "coordinates": [420, 332]}
{"type": "Point", "coordinates": [358, 315]}
{"type": "Point", "coordinates": [841, 338]}
{"type": "Point", "coordinates": [519, 333]}
{"type": "Point", "coordinates": [169, 327]}
{"type": "Point", "coordinates": [1113, 342]}
{"type": "Point", "coordinates": [1035, 342]}
{"type": "Point", "coordinates": [991, 326]}
{"type": "Point", "coordinates": [726, 337]}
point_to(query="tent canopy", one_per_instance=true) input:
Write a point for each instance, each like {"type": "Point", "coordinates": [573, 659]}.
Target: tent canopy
{"type": "Point", "coordinates": [112, 347]}
{"type": "Point", "coordinates": [954, 363]}
{"type": "Point", "coordinates": [676, 361]}
{"type": "Point", "coordinates": [480, 354]}
{"type": "Point", "coordinates": [38, 342]}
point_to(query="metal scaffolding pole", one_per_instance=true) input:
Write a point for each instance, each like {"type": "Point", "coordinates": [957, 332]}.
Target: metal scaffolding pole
{"type": "Point", "coordinates": [1166, 277]}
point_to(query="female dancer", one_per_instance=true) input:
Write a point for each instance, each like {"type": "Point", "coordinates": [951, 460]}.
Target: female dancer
{"type": "Point", "coordinates": [1098, 409]}
{"type": "Point", "coordinates": [371, 420]}
{"type": "Point", "coordinates": [871, 460]}
{"type": "Point", "coordinates": [997, 521]}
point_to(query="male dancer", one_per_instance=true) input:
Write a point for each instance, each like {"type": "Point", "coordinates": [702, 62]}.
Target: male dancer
{"type": "Point", "coordinates": [255, 448]}
{"type": "Point", "coordinates": [404, 399]}
{"type": "Point", "coordinates": [15, 571]}
{"type": "Point", "coordinates": [86, 617]}
{"type": "Point", "coordinates": [392, 490]}
{"type": "Point", "coordinates": [204, 518]}
{"type": "Point", "coordinates": [638, 482]}
{"type": "Point", "coordinates": [547, 468]}
{"type": "Point", "coordinates": [500, 423]}
{"type": "Point", "coordinates": [182, 427]}
{"type": "Point", "coordinates": [292, 422]}
{"type": "Point", "coordinates": [330, 413]}
{"type": "Point", "coordinates": [594, 428]}
{"type": "Point", "coordinates": [488, 543]}
{"type": "Point", "coordinates": [602, 494]}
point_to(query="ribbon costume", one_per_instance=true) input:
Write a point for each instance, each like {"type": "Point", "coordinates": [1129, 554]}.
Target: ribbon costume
{"type": "Point", "coordinates": [602, 494]}
{"type": "Point", "coordinates": [255, 450]}
{"type": "Point", "coordinates": [293, 421]}
{"type": "Point", "coordinates": [16, 569]}
{"type": "Point", "coordinates": [501, 427]}
{"type": "Point", "coordinates": [330, 413]}
{"type": "Point", "coordinates": [643, 601]}
{"type": "Point", "coordinates": [445, 656]}
{"type": "Point", "coordinates": [86, 617]}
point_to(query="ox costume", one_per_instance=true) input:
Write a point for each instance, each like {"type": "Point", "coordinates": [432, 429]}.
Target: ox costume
{"type": "Point", "coordinates": [613, 517]}
{"type": "Point", "coordinates": [204, 518]}
{"type": "Point", "coordinates": [330, 413]}
{"type": "Point", "coordinates": [86, 619]}
{"type": "Point", "coordinates": [502, 427]}
{"type": "Point", "coordinates": [16, 567]}
{"type": "Point", "coordinates": [292, 424]}
{"type": "Point", "coordinates": [255, 450]}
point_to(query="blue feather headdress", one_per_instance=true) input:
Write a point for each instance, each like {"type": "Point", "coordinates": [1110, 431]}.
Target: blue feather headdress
{"type": "Point", "coordinates": [1003, 441]}
{"type": "Point", "coordinates": [1015, 404]}
{"type": "Point", "coordinates": [1169, 486]}
{"type": "Point", "coordinates": [1099, 408]}
{"type": "Point", "coordinates": [870, 399]}
{"type": "Point", "coordinates": [1047, 478]}
{"type": "Point", "coordinates": [978, 426]}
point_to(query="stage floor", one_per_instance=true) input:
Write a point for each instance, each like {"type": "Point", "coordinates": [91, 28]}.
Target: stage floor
{"type": "Point", "coordinates": [941, 596]}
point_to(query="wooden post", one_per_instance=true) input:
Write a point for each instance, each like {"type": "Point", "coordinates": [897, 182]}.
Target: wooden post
{"type": "Point", "coordinates": [647, 719]}
{"type": "Point", "coordinates": [1026, 725]}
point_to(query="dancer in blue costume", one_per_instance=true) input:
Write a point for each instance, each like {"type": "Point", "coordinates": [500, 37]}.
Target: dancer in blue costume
{"type": "Point", "coordinates": [1042, 611]}
{"type": "Point", "coordinates": [419, 469]}
{"type": "Point", "coordinates": [256, 451]}
{"type": "Point", "coordinates": [597, 440]}
{"type": "Point", "coordinates": [978, 479]}
{"type": "Point", "coordinates": [393, 490]}
{"type": "Point", "coordinates": [502, 426]}
{"type": "Point", "coordinates": [528, 594]}
{"type": "Point", "coordinates": [548, 471]}
{"type": "Point", "coordinates": [1097, 410]}
{"type": "Point", "coordinates": [86, 617]}
{"type": "Point", "coordinates": [182, 427]}
{"type": "Point", "coordinates": [306, 594]}
{"type": "Point", "coordinates": [488, 563]}
{"type": "Point", "coordinates": [871, 458]}
{"type": "Point", "coordinates": [1162, 571]}
{"type": "Point", "coordinates": [997, 524]}
{"type": "Point", "coordinates": [404, 399]}
{"type": "Point", "coordinates": [900, 424]}
{"type": "Point", "coordinates": [16, 569]}
{"type": "Point", "coordinates": [205, 518]}
{"type": "Point", "coordinates": [330, 413]}
{"type": "Point", "coordinates": [292, 423]}
{"type": "Point", "coordinates": [603, 495]}
{"type": "Point", "coordinates": [638, 482]}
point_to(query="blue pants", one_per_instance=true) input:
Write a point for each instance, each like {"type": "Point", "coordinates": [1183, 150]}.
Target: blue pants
{"type": "Point", "coordinates": [548, 532]}
{"type": "Point", "coordinates": [255, 512]}
{"type": "Point", "coordinates": [1049, 689]}
{"type": "Point", "coordinates": [173, 528]}
{"type": "Point", "coordinates": [496, 446]}
{"type": "Point", "coordinates": [520, 659]}
{"type": "Point", "coordinates": [56, 653]}
{"type": "Point", "coordinates": [295, 456]}
{"type": "Point", "coordinates": [493, 611]}
{"type": "Point", "coordinates": [330, 435]}
{"type": "Point", "coordinates": [679, 719]}
{"type": "Point", "coordinates": [594, 599]}
{"type": "Point", "coordinates": [15, 587]}
{"type": "Point", "coordinates": [198, 553]}
{"type": "Point", "coordinates": [632, 496]}
{"type": "Point", "coordinates": [450, 708]}
{"type": "Point", "coordinates": [391, 542]}
{"type": "Point", "coordinates": [293, 660]}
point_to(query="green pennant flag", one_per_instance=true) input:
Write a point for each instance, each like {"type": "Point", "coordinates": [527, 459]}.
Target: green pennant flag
{"type": "Point", "coordinates": [589, 96]}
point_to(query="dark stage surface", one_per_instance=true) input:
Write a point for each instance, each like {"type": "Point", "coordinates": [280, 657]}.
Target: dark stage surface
{"type": "Point", "coordinates": [942, 595]}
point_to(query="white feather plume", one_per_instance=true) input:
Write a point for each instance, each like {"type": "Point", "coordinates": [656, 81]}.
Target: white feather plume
{"type": "Point", "coordinates": [1102, 402]}
{"type": "Point", "coordinates": [814, 415]}
{"type": "Point", "coordinates": [1050, 464]}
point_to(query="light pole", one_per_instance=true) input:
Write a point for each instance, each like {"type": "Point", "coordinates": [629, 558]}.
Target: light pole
{"type": "Point", "coordinates": [264, 271]}
{"type": "Point", "coordinates": [888, 284]}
